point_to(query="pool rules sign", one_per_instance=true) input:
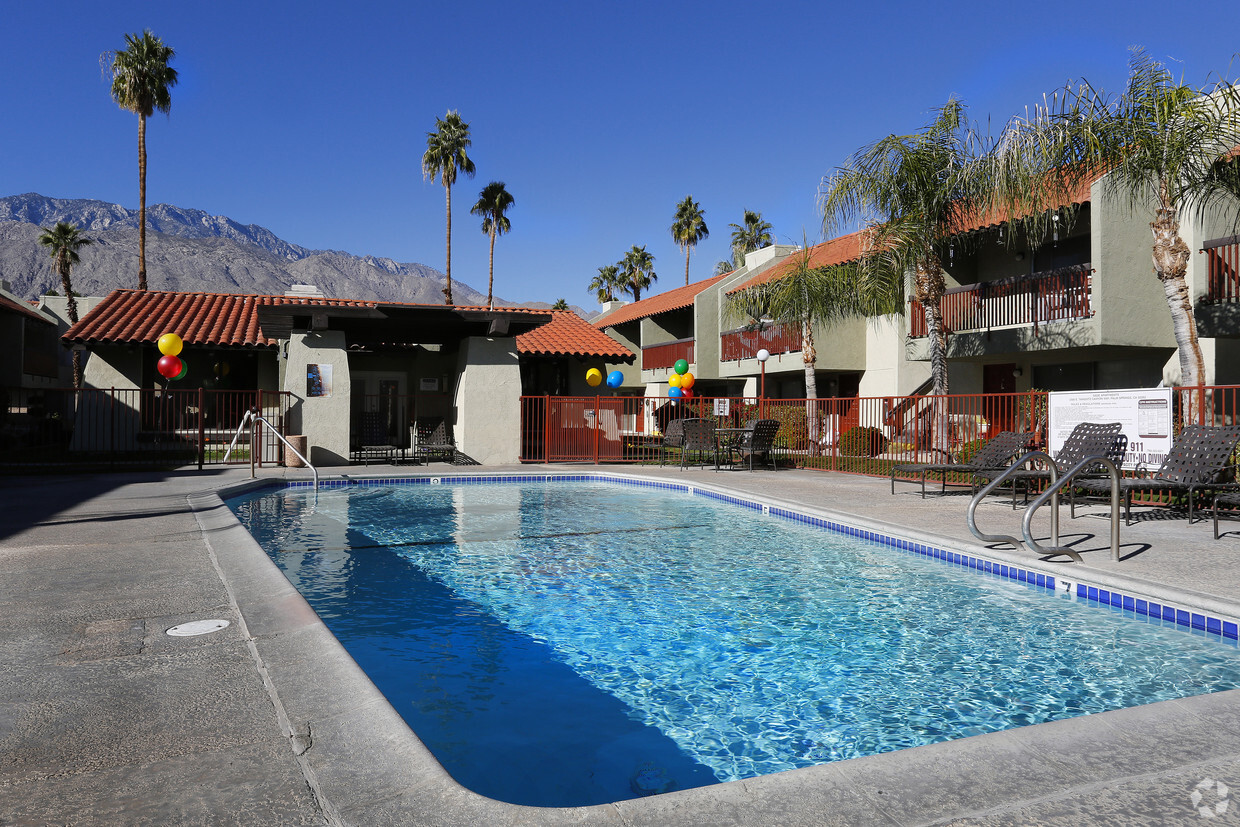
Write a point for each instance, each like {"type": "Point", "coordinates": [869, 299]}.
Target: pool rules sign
{"type": "Point", "coordinates": [1145, 414]}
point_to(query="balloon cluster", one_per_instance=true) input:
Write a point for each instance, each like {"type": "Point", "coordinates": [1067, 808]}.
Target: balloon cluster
{"type": "Point", "coordinates": [594, 378]}
{"type": "Point", "coordinates": [169, 365]}
{"type": "Point", "coordinates": [681, 381]}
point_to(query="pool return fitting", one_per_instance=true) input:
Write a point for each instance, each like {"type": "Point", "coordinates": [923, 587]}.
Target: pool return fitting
{"type": "Point", "coordinates": [1051, 494]}
{"type": "Point", "coordinates": [255, 415]}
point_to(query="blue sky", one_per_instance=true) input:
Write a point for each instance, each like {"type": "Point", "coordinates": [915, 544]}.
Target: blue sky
{"type": "Point", "coordinates": [311, 119]}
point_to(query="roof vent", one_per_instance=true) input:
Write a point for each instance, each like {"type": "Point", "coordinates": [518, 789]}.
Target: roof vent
{"type": "Point", "coordinates": [305, 291]}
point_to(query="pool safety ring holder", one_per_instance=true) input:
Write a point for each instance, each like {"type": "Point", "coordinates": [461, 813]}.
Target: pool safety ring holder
{"type": "Point", "coordinates": [198, 627]}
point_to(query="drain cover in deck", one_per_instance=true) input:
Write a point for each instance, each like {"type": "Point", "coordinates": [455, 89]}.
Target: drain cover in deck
{"type": "Point", "coordinates": [197, 627]}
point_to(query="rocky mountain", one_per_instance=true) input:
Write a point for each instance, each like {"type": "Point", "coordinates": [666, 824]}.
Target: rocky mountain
{"type": "Point", "coordinates": [188, 249]}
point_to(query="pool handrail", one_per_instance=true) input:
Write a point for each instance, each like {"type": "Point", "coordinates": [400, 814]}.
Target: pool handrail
{"type": "Point", "coordinates": [256, 416]}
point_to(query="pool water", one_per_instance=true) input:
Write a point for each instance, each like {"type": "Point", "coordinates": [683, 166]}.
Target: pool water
{"type": "Point", "coordinates": [572, 643]}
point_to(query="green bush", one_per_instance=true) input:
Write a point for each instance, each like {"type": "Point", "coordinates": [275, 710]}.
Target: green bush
{"type": "Point", "coordinates": [970, 449]}
{"type": "Point", "coordinates": [862, 441]}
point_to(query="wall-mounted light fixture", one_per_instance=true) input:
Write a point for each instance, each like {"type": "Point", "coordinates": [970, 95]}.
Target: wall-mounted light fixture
{"type": "Point", "coordinates": [1017, 371]}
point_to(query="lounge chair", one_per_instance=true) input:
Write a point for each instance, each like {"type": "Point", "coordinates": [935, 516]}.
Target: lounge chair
{"type": "Point", "coordinates": [1088, 439]}
{"type": "Point", "coordinates": [375, 443]}
{"type": "Point", "coordinates": [995, 454]}
{"type": "Point", "coordinates": [699, 437]}
{"type": "Point", "coordinates": [1200, 459]}
{"type": "Point", "coordinates": [673, 437]}
{"type": "Point", "coordinates": [432, 440]}
{"type": "Point", "coordinates": [1229, 498]}
{"type": "Point", "coordinates": [758, 441]}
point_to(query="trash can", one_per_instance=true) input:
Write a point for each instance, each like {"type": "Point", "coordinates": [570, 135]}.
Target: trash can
{"type": "Point", "coordinates": [299, 442]}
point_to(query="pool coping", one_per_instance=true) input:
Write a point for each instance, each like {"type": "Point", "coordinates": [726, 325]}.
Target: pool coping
{"type": "Point", "coordinates": [367, 767]}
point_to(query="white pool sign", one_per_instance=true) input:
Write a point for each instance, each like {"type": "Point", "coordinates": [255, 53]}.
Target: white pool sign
{"type": "Point", "coordinates": [1144, 413]}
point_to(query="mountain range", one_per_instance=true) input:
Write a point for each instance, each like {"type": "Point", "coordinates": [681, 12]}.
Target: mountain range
{"type": "Point", "coordinates": [188, 249]}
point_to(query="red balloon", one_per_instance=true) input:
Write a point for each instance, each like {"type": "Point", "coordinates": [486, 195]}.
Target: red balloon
{"type": "Point", "coordinates": [168, 367]}
{"type": "Point", "coordinates": [686, 393]}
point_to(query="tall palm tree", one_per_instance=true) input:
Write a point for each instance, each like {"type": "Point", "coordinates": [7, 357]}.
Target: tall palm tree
{"type": "Point", "coordinates": [606, 285]}
{"type": "Point", "coordinates": [688, 228]}
{"type": "Point", "coordinates": [493, 202]}
{"type": "Point", "coordinates": [445, 156]}
{"type": "Point", "coordinates": [637, 271]}
{"type": "Point", "coordinates": [141, 78]}
{"type": "Point", "coordinates": [914, 192]}
{"type": "Point", "coordinates": [723, 267]}
{"type": "Point", "coordinates": [63, 242]}
{"type": "Point", "coordinates": [753, 233]}
{"type": "Point", "coordinates": [1164, 147]}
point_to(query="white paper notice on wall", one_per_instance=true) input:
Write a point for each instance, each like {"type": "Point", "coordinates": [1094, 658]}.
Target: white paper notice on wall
{"type": "Point", "coordinates": [721, 407]}
{"type": "Point", "coordinates": [1144, 413]}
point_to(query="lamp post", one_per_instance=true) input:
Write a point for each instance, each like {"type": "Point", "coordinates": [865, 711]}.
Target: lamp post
{"type": "Point", "coordinates": [762, 355]}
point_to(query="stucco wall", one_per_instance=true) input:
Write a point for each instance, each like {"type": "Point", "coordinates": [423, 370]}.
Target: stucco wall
{"type": "Point", "coordinates": [888, 371]}
{"type": "Point", "coordinates": [488, 401]}
{"type": "Point", "coordinates": [324, 419]}
{"type": "Point", "coordinates": [114, 367]}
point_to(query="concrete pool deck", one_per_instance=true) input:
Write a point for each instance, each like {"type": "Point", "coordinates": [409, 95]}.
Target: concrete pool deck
{"type": "Point", "coordinates": [104, 719]}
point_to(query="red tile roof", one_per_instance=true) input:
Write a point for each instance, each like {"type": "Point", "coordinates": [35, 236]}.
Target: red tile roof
{"type": "Point", "coordinates": [230, 319]}
{"type": "Point", "coordinates": [24, 309]}
{"type": "Point", "coordinates": [567, 334]}
{"type": "Point", "coordinates": [828, 253]}
{"type": "Point", "coordinates": [662, 303]}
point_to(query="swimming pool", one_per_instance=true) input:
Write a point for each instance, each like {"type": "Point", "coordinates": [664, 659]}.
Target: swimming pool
{"type": "Point", "coordinates": [569, 643]}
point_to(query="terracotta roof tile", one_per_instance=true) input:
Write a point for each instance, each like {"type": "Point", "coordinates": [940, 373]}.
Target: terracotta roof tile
{"type": "Point", "coordinates": [567, 334]}
{"type": "Point", "coordinates": [828, 253]}
{"type": "Point", "coordinates": [24, 309]}
{"type": "Point", "coordinates": [230, 319]}
{"type": "Point", "coordinates": [662, 303]}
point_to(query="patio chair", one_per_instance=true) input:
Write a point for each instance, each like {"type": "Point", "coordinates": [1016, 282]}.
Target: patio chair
{"type": "Point", "coordinates": [376, 443]}
{"type": "Point", "coordinates": [673, 437]}
{"type": "Point", "coordinates": [1229, 498]}
{"type": "Point", "coordinates": [1200, 459]}
{"type": "Point", "coordinates": [995, 455]}
{"type": "Point", "coordinates": [758, 441]}
{"type": "Point", "coordinates": [1088, 439]}
{"type": "Point", "coordinates": [699, 437]}
{"type": "Point", "coordinates": [432, 440]}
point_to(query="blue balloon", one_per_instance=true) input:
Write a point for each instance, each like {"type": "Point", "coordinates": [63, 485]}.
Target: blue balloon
{"type": "Point", "coordinates": [615, 379]}
{"type": "Point", "coordinates": [675, 393]}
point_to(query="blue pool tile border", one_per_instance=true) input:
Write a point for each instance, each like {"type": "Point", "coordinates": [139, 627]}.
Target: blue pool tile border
{"type": "Point", "coordinates": [1138, 606]}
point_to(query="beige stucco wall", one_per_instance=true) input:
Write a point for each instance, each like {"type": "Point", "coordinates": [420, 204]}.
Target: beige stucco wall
{"type": "Point", "coordinates": [488, 401]}
{"type": "Point", "coordinates": [888, 370]}
{"type": "Point", "coordinates": [325, 419]}
{"type": "Point", "coordinates": [114, 367]}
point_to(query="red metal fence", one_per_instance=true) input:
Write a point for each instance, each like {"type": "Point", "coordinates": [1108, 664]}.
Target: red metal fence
{"type": "Point", "coordinates": [1223, 265]}
{"type": "Point", "coordinates": [1042, 297]}
{"type": "Point", "coordinates": [665, 355]}
{"type": "Point", "coordinates": [745, 342]}
{"type": "Point", "coordinates": [134, 427]}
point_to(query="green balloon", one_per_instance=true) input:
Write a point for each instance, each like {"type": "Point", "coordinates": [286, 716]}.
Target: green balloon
{"type": "Point", "coordinates": [681, 367]}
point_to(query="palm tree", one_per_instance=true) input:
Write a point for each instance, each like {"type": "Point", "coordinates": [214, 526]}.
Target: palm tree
{"type": "Point", "coordinates": [689, 228]}
{"type": "Point", "coordinates": [560, 304]}
{"type": "Point", "coordinates": [63, 242]}
{"type": "Point", "coordinates": [607, 283]}
{"type": "Point", "coordinates": [141, 78]}
{"type": "Point", "coordinates": [1163, 146]}
{"type": "Point", "coordinates": [753, 233]}
{"type": "Point", "coordinates": [723, 267]}
{"type": "Point", "coordinates": [445, 156]}
{"type": "Point", "coordinates": [493, 202]}
{"type": "Point", "coordinates": [637, 271]}
{"type": "Point", "coordinates": [914, 191]}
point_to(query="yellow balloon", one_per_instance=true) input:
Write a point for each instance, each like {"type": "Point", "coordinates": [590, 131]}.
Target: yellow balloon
{"type": "Point", "coordinates": [686, 381]}
{"type": "Point", "coordinates": [170, 344]}
{"type": "Point", "coordinates": [674, 380]}
{"type": "Point", "coordinates": [594, 377]}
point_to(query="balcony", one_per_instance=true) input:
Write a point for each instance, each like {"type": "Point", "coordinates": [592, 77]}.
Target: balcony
{"type": "Point", "coordinates": [664, 356]}
{"type": "Point", "coordinates": [1057, 295]}
{"type": "Point", "coordinates": [1223, 268]}
{"type": "Point", "coordinates": [745, 342]}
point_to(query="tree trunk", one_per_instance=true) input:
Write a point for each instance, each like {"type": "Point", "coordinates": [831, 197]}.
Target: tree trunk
{"type": "Point", "coordinates": [929, 289]}
{"type": "Point", "coordinates": [491, 269]}
{"type": "Point", "coordinates": [687, 265]}
{"type": "Point", "coordinates": [141, 202]}
{"type": "Point", "coordinates": [1170, 256]}
{"type": "Point", "coordinates": [63, 266]}
{"type": "Point", "coordinates": [447, 291]}
{"type": "Point", "coordinates": [809, 358]}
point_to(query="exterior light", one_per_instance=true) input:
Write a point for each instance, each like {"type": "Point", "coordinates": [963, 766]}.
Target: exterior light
{"type": "Point", "coordinates": [763, 355]}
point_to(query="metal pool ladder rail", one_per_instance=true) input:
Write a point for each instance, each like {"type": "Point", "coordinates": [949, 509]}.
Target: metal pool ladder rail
{"type": "Point", "coordinates": [1051, 494]}
{"type": "Point", "coordinates": [255, 415]}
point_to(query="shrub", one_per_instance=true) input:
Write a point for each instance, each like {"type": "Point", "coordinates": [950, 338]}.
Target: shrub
{"type": "Point", "coordinates": [970, 448]}
{"type": "Point", "coordinates": [862, 441]}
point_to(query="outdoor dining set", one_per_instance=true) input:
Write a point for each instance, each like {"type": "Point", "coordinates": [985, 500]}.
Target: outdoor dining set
{"type": "Point", "coordinates": [702, 439]}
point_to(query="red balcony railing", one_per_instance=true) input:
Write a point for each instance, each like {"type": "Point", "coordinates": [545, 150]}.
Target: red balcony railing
{"type": "Point", "coordinates": [1027, 300]}
{"type": "Point", "coordinates": [746, 342]}
{"type": "Point", "coordinates": [1223, 263]}
{"type": "Point", "coordinates": [665, 355]}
